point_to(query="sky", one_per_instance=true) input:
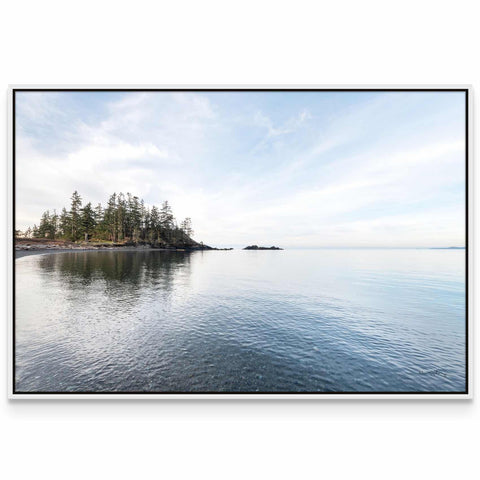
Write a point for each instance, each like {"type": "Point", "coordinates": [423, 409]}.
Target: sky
{"type": "Point", "coordinates": [293, 169]}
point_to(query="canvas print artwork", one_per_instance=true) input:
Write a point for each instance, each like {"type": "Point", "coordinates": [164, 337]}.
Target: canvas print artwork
{"type": "Point", "coordinates": [240, 241]}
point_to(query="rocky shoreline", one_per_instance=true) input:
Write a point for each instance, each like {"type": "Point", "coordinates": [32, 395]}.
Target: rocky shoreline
{"type": "Point", "coordinates": [33, 246]}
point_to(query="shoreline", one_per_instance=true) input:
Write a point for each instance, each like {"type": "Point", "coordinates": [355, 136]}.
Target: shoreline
{"type": "Point", "coordinates": [45, 251]}
{"type": "Point", "coordinates": [36, 246]}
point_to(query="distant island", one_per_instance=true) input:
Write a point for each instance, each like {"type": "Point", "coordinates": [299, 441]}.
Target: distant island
{"type": "Point", "coordinates": [256, 247]}
{"type": "Point", "coordinates": [447, 248]}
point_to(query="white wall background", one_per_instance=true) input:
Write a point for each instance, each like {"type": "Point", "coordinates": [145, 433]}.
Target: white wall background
{"type": "Point", "coordinates": [272, 42]}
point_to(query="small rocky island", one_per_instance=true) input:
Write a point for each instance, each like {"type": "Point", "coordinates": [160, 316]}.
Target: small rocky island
{"type": "Point", "coordinates": [256, 247]}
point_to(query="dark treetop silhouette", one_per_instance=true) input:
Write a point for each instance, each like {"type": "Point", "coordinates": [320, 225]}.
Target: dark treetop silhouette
{"type": "Point", "coordinates": [125, 220]}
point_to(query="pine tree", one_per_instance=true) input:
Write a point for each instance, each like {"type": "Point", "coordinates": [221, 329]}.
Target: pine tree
{"type": "Point", "coordinates": [154, 224]}
{"type": "Point", "coordinates": [124, 218]}
{"type": "Point", "coordinates": [64, 224]}
{"type": "Point", "coordinates": [167, 221]}
{"type": "Point", "coordinates": [121, 216]}
{"type": "Point", "coordinates": [88, 220]}
{"type": "Point", "coordinates": [98, 214]}
{"type": "Point", "coordinates": [44, 229]}
{"type": "Point", "coordinates": [110, 217]}
{"type": "Point", "coordinates": [99, 231]}
{"type": "Point", "coordinates": [144, 220]}
{"type": "Point", "coordinates": [186, 227]}
{"type": "Point", "coordinates": [75, 216]}
{"type": "Point", "coordinates": [53, 225]}
{"type": "Point", "coordinates": [135, 217]}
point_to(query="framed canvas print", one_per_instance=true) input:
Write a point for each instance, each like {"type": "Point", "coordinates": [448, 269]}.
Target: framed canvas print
{"type": "Point", "coordinates": [247, 241]}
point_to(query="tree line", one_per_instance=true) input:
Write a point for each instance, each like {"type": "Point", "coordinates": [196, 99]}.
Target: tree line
{"type": "Point", "coordinates": [125, 218]}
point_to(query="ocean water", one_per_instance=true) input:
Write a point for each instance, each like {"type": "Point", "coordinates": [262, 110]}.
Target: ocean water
{"type": "Point", "coordinates": [322, 320]}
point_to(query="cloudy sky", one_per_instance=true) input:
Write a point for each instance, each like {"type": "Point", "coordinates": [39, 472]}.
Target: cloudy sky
{"type": "Point", "coordinates": [295, 169]}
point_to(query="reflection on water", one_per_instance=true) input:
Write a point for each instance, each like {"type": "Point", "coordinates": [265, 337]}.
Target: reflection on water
{"type": "Point", "coordinates": [241, 321]}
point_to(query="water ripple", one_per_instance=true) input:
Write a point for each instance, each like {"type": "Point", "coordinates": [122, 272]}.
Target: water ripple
{"type": "Point", "coordinates": [316, 321]}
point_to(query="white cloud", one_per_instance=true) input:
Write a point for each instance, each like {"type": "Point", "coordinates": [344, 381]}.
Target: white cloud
{"type": "Point", "coordinates": [291, 125]}
{"type": "Point", "coordinates": [331, 188]}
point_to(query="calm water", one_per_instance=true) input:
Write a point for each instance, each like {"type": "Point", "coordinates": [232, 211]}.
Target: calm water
{"type": "Point", "coordinates": [241, 321]}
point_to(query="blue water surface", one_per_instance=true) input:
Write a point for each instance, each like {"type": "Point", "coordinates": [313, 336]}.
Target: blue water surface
{"type": "Point", "coordinates": [326, 320]}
